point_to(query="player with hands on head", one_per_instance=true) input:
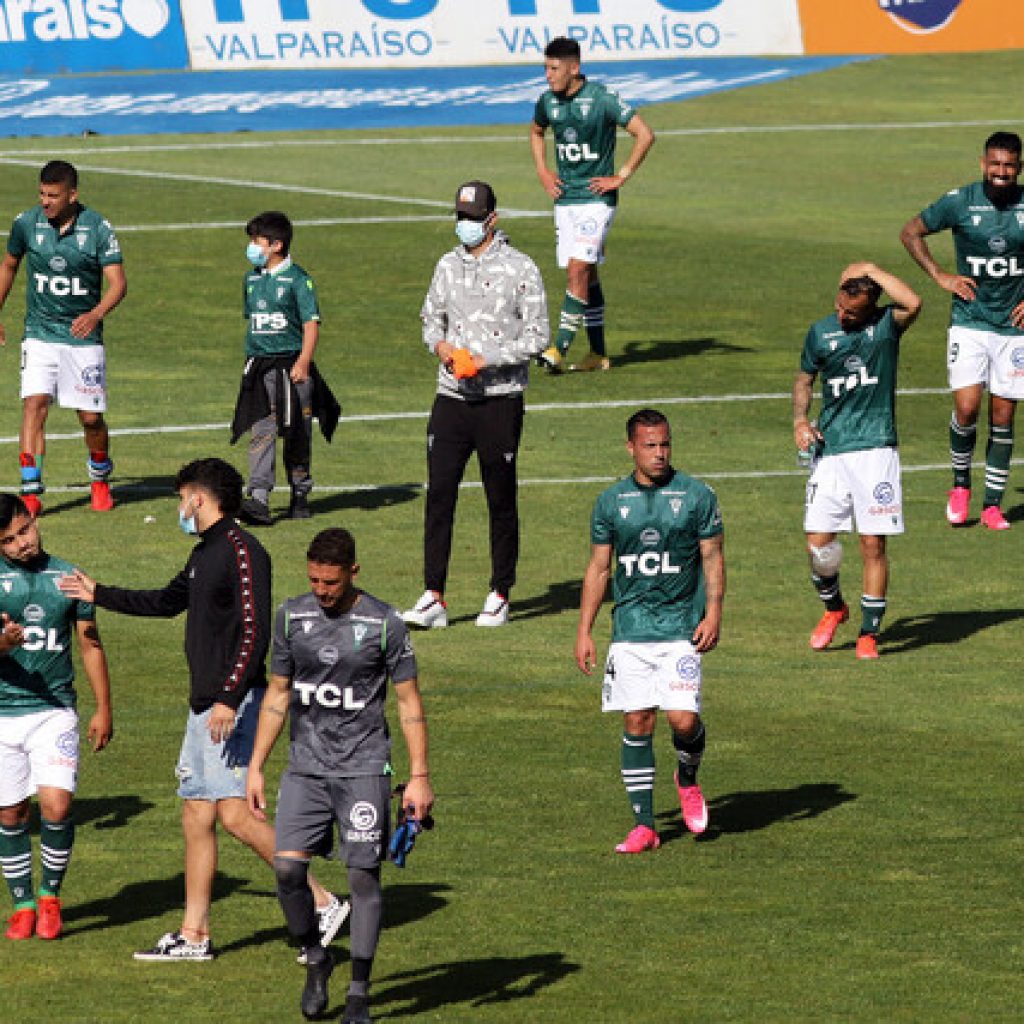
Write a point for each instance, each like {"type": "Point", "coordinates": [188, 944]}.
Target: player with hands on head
{"type": "Point", "coordinates": [986, 334]}
{"type": "Point", "coordinates": [855, 351]}
{"type": "Point", "coordinates": [335, 649]}
{"type": "Point", "coordinates": [664, 529]}
{"type": "Point", "coordinates": [38, 718]}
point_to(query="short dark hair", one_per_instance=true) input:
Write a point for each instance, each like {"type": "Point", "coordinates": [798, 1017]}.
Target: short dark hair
{"type": "Point", "coordinates": [274, 226]}
{"type": "Point", "coordinates": [335, 546]}
{"type": "Point", "coordinates": [218, 477]}
{"type": "Point", "coordinates": [644, 418]}
{"type": "Point", "coordinates": [11, 506]}
{"type": "Point", "coordinates": [562, 48]}
{"type": "Point", "coordinates": [854, 286]}
{"type": "Point", "coordinates": [1010, 141]}
{"type": "Point", "coordinates": [59, 172]}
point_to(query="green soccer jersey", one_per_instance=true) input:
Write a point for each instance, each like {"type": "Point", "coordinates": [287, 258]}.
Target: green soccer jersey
{"type": "Point", "coordinates": [64, 273]}
{"type": "Point", "coordinates": [655, 533]}
{"type": "Point", "coordinates": [584, 128]}
{"type": "Point", "coordinates": [277, 304]}
{"type": "Point", "coordinates": [39, 675]}
{"type": "Point", "coordinates": [989, 244]}
{"type": "Point", "coordinates": [858, 381]}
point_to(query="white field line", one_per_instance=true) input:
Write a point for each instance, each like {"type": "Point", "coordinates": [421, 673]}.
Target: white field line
{"type": "Point", "coordinates": [470, 139]}
{"type": "Point", "coordinates": [385, 417]}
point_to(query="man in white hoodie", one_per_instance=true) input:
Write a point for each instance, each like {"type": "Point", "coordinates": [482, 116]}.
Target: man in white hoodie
{"type": "Point", "coordinates": [485, 317]}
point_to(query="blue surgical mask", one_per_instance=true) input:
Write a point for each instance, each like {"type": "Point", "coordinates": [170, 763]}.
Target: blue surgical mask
{"type": "Point", "coordinates": [255, 255]}
{"type": "Point", "coordinates": [471, 232]}
{"type": "Point", "coordinates": [187, 522]}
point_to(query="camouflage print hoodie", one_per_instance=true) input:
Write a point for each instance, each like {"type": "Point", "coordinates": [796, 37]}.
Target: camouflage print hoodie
{"type": "Point", "coordinates": [494, 305]}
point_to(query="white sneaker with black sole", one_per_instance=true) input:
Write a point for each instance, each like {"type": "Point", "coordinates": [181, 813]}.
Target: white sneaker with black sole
{"type": "Point", "coordinates": [494, 612]}
{"type": "Point", "coordinates": [175, 947]}
{"type": "Point", "coordinates": [329, 920]}
{"type": "Point", "coordinates": [429, 612]}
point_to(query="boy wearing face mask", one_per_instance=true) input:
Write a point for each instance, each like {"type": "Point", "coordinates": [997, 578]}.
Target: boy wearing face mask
{"type": "Point", "coordinates": [484, 317]}
{"type": "Point", "coordinates": [281, 390]}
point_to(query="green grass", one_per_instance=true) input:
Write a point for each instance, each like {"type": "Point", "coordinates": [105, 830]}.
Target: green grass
{"type": "Point", "coordinates": [864, 857]}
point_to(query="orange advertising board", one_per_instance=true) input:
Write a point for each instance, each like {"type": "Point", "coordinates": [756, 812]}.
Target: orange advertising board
{"type": "Point", "coordinates": [911, 26]}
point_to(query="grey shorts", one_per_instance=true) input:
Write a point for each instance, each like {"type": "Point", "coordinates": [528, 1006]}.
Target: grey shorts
{"type": "Point", "coordinates": [216, 771]}
{"type": "Point", "coordinates": [309, 805]}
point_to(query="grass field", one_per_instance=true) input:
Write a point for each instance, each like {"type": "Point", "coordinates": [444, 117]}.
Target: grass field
{"type": "Point", "coordinates": [863, 862]}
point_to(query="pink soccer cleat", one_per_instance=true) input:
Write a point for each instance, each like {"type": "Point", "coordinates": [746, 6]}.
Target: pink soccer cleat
{"type": "Point", "coordinates": [957, 506]}
{"type": "Point", "coordinates": [993, 518]}
{"type": "Point", "coordinates": [695, 810]}
{"type": "Point", "coordinates": [826, 628]}
{"type": "Point", "coordinates": [639, 840]}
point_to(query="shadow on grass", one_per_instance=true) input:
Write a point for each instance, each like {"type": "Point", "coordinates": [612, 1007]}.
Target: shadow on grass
{"type": "Point", "coordinates": [126, 490]}
{"type": "Point", "coordinates": [913, 631]}
{"type": "Point", "coordinates": [559, 597]}
{"type": "Point", "coordinates": [367, 499]}
{"type": "Point", "coordinates": [662, 351]}
{"type": "Point", "coordinates": [484, 982]}
{"type": "Point", "coordinates": [109, 811]}
{"type": "Point", "coordinates": [753, 810]}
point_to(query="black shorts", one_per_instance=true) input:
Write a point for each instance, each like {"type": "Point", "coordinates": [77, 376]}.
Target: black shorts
{"type": "Point", "coordinates": [308, 806]}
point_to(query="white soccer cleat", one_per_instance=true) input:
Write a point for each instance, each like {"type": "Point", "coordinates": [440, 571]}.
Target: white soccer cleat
{"type": "Point", "coordinates": [494, 612]}
{"type": "Point", "coordinates": [429, 612]}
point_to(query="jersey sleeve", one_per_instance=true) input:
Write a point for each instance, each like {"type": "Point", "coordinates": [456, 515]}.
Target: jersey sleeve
{"type": "Point", "coordinates": [108, 249]}
{"type": "Point", "coordinates": [602, 523]}
{"type": "Point", "coordinates": [617, 109]}
{"type": "Point", "coordinates": [943, 213]}
{"type": "Point", "coordinates": [399, 657]}
{"type": "Point", "coordinates": [282, 663]}
{"type": "Point", "coordinates": [540, 114]}
{"type": "Point", "coordinates": [709, 515]}
{"type": "Point", "coordinates": [17, 240]}
{"type": "Point", "coordinates": [305, 299]}
{"type": "Point", "coordinates": [808, 357]}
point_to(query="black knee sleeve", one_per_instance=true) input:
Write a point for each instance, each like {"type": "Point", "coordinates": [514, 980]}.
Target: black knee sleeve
{"type": "Point", "coordinates": [295, 898]}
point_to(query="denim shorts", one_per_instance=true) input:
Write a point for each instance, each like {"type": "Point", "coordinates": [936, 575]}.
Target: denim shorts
{"type": "Point", "coordinates": [216, 771]}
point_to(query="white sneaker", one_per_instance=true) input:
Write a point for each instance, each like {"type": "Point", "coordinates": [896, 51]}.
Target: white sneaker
{"type": "Point", "coordinates": [495, 611]}
{"type": "Point", "coordinates": [429, 612]}
{"type": "Point", "coordinates": [329, 920]}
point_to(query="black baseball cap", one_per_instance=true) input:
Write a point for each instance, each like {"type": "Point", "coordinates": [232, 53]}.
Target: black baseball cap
{"type": "Point", "coordinates": [475, 200]}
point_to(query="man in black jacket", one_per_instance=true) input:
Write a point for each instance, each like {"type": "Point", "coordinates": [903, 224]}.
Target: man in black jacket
{"type": "Point", "coordinates": [225, 589]}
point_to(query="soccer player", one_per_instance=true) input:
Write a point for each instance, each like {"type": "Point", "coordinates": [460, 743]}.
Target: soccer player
{"type": "Point", "coordinates": [38, 721]}
{"type": "Point", "coordinates": [484, 318]}
{"type": "Point", "coordinates": [855, 350]}
{"type": "Point", "coordinates": [665, 530]}
{"type": "Point", "coordinates": [71, 251]}
{"type": "Point", "coordinates": [225, 590]}
{"type": "Point", "coordinates": [583, 116]}
{"type": "Point", "coordinates": [986, 334]}
{"type": "Point", "coordinates": [281, 390]}
{"type": "Point", "coordinates": [335, 648]}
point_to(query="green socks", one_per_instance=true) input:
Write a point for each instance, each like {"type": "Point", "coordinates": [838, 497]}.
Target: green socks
{"type": "Point", "coordinates": [961, 451]}
{"type": "Point", "coordinates": [997, 463]}
{"type": "Point", "coordinates": [55, 841]}
{"type": "Point", "coordinates": [16, 860]}
{"type": "Point", "coordinates": [569, 321]}
{"type": "Point", "coordinates": [871, 611]}
{"type": "Point", "coordinates": [638, 776]}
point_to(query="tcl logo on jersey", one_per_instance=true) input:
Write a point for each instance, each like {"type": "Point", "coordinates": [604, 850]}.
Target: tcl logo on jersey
{"type": "Point", "coordinates": [850, 381]}
{"type": "Point", "coordinates": [574, 152]}
{"type": "Point", "coordinates": [59, 286]}
{"type": "Point", "coordinates": [39, 639]}
{"type": "Point", "coordinates": [997, 266]}
{"type": "Point", "coordinates": [269, 321]}
{"type": "Point", "coordinates": [650, 563]}
{"type": "Point", "coordinates": [328, 695]}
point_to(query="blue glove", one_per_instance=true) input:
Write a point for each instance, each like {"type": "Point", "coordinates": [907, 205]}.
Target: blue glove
{"type": "Point", "coordinates": [404, 838]}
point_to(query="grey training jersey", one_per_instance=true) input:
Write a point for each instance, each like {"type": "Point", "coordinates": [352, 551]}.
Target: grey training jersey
{"type": "Point", "coordinates": [339, 667]}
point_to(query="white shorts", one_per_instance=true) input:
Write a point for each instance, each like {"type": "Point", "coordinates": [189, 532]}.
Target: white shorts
{"type": "Point", "coordinates": [654, 675]}
{"type": "Point", "coordinates": [862, 487]}
{"type": "Point", "coordinates": [984, 357]}
{"type": "Point", "coordinates": [580, 231]}
{"type": "Point", "coordinates": [38, 749]}
{"type": "Point", "coordinates": [76, 375]}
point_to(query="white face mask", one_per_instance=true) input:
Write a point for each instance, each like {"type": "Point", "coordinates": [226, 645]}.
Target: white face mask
{"type": "Point", "coordinates": [471, 232]}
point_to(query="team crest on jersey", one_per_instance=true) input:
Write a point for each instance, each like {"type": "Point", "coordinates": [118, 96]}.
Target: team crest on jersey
{"type": "Point", "coordinates": [33, 613]}
{"type": "Point", "coordinates": [359, 632]}
{"type": "Point", "coordinates": [997, 244]}
{"type": "Point", "coordinates": [280, 292]}
{"type": "Point", "coordinates": [570, 135]}
{"type": "Point", "coordinates": [584, 106]}
{"type": "Point", "coordinates": [975, 220]}
{"type": "Point", "coordinates": [307, 626]}
{"type": "Point", "coordinates": [39, 239]}
{"type": "Point", "coordinates": [1020, 219]}
{"type": "Point", "coordinates": [556, 111]}
{"type": "Point", "coordinates": [58, 264]}
{"type": "Point", "coordinates": [675, 504]}
{"type": "Point", "coordinates": [82, 239]}
{"type": "Point", "coordinates": [624, 511]}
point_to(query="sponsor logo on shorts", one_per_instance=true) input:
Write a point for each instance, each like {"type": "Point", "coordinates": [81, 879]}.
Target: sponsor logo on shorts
{"type": "Point", "coordinates": [362, 837]}
{"type": "Point", "coordinates": [587, 227]}
{"type": "Point", "coordinates": [363, 815]}
{"type": "Point", "coordinates": [33, 613]}
{"type": "Point", "coordinates": [688, 667]}
{"type": "Point", "coordinates": [67, 743]}
{"type": "Point", "coordinates": [884, 493]}
{"type": "Point", "coordinates": [92, 376]}
{"type": "Point", "coordinates": [1017, 358]}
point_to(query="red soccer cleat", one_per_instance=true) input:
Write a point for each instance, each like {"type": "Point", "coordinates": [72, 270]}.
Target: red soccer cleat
{"type": "Point", "coordinates": [33, 504]}
{"type": "Point", "coordinates": [639, 840]}
{"type": "Point", "coordinates": [22, 924]}
{"type": "Point", "coordinates": [867, 647]}
{"type": "Point", "coordinates": [48, 924]}
{"type": "Point", "coordinates": [826, 628]}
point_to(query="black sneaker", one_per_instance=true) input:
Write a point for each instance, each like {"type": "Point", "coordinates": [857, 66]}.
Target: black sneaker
{"type": "Point", "coordinates": [299, 507]}
{"type": "Point", "coordinates": [357, 1010]}
{"type": "Point", "coordinates": [256, 512]}
{"type": "Point", "coordinates": [174, 947]}
{"type": "Point", "coordinates": [314, 995]}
